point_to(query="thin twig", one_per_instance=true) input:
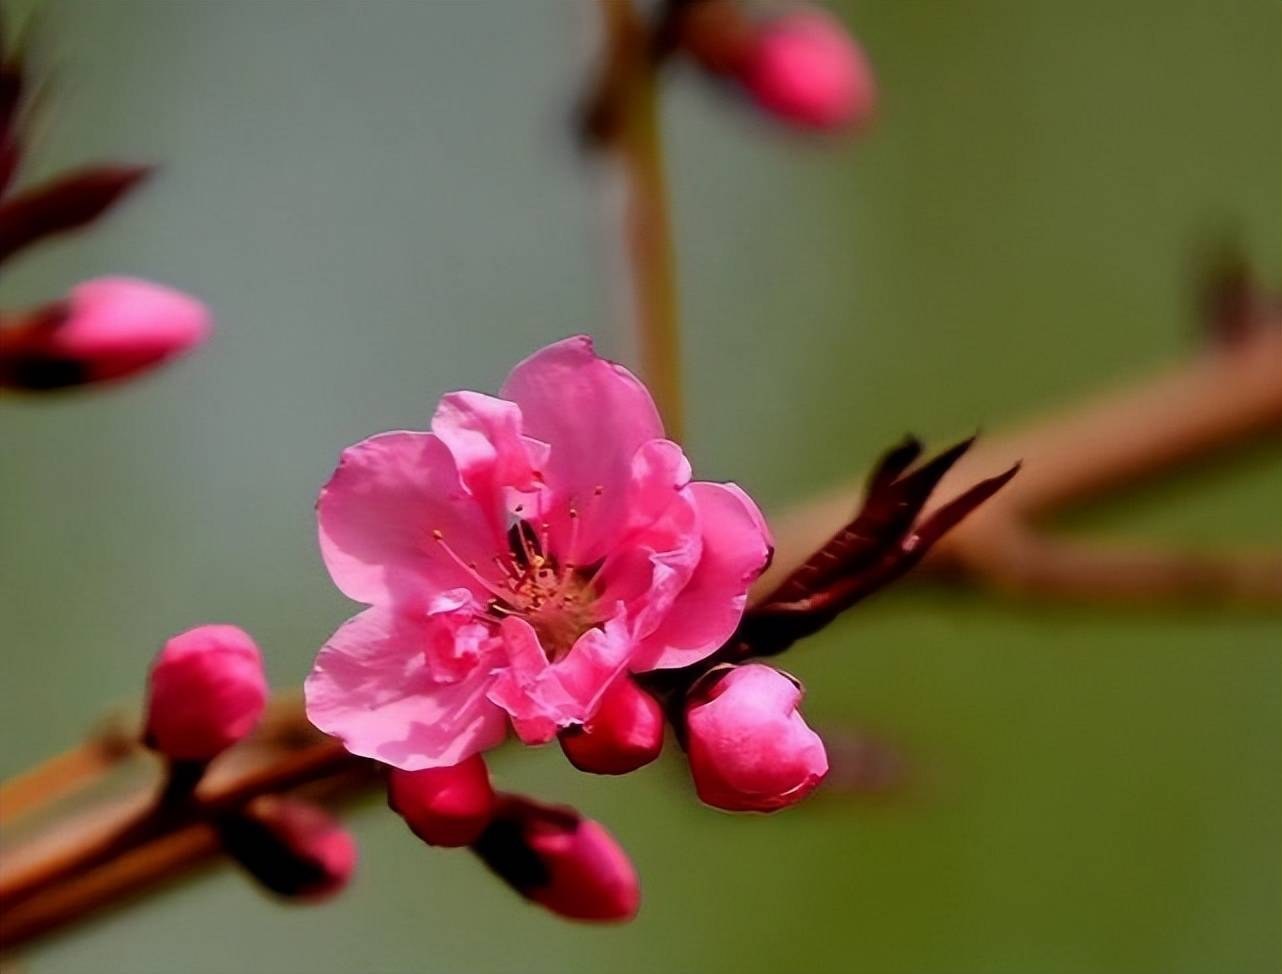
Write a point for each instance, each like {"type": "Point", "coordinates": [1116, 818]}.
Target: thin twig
{"type": "Point", "coordinates": [1226, 396]}
{"type": "Point", "coordinates": [626, 123]}
{"type": "Point", "coordinates": [83, 868]}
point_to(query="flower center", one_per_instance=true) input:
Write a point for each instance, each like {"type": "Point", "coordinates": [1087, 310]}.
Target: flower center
{"type": "Point", "coordinates": [557, 598]}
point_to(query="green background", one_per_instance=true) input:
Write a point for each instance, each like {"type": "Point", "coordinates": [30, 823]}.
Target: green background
{"type": "Point", "coordinates": [381, 203]}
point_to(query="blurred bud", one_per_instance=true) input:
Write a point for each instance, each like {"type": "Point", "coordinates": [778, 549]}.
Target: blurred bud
{"type": "Point", "coordinates": [806, 70]}
{"type": "Point", "coordinates": [444, 806]}
{"type": "Point", "coordinates": [624, 734]}
{"type": "Point", "coordinates": [206, 692]}
{"type": "Point", "coordinates": [750, 750]}
{"type": "Point", "coordinates": [107, 328]}
{"type": "Point", "coordinates": [292, 847]}
{"type": "Point", "coordinates": [560, 860]}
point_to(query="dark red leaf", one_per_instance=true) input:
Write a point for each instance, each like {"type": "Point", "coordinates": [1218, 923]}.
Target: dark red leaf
{"type": "Point", "coordinates": [64, 204]}
{"type": "Point", "coordinates": [851, 570]}
{"type": "Point", "coordinates": [893, 501]}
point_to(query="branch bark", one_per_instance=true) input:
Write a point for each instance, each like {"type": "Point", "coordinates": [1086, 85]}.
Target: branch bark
{"type": "Point", "coordinates": [1226, 396]}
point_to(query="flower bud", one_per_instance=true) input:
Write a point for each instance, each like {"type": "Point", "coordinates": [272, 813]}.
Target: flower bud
{"type": "Point", "coordinates": [806, 70]}
{"type": "Point", "coordinates": [107, 328]}
{"type": "Point", "coordinates": [750, 750]}
{"type": "Point", "coordinates": [564, 862]}
{"type": "Point", "coordinates": [625, 733]}
{"type": "Point", "coordinates": [292, 847]}
{"type": "Point", "coordinates": [206, 692]}
{"type": "Point", "coordinates": [444, 806]}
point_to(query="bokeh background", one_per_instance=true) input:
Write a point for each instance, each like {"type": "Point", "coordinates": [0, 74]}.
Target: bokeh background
{"type": "Point", "coordinates": [381, 202]}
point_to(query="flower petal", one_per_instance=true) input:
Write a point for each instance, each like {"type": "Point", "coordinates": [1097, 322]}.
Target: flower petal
{"type": "Point", "coordinates": [528, 689]}
{"type": "Point", "coordinates": [594, 415]}
{"type": "Point", "coordinates": [483, 434]}
{"type": "Point", "coordinates": [736, 548]}
{"type": "Point", "coordinates": [543, 697]}
{"type": "Point", "coordinates": [377, 515]}
{"type": "Point", "coordinates": [371, 688]}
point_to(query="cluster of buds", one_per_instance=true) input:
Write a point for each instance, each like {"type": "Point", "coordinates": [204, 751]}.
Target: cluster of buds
{"type": "Point", "coordinates": [206, 692]}
{"type": "Point", "coordinates": [799, 66]}
{"type": "Point", "coordinates": [749, 750]}
{"type": "Point", "coordinates": [104, 329]}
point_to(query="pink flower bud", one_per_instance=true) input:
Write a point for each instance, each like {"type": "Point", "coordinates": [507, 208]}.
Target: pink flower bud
{"type": "Point", "coordinates": [750, 750]}
{"type": "Point", "coordinates": [291, 847]}
{"type": "Point", "coordinates": [625, 733]}
{"type": "Point", "coordinates": [444, 806]}
{"type": "Point", "coordinates": [805, 69]}
{"type": "Point", "coordinates": [206, 692]}
{"type": "Point", "coordinates": [560, 860]}
{"type": "Point", "coordinates": [108, 328]}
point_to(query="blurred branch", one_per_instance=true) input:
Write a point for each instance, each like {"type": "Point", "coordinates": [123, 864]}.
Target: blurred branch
{"type": "Point", "coordinates": [103, 856]}
{"type": "Point", "coordinates": [69, 772]}
{"type": "Point", "coordinates": [1228, 395]}
{"type": "Point", "coordinates": [621, 119]}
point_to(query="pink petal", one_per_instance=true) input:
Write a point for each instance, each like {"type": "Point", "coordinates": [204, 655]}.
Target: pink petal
{"type": "Point", "coordinates": [543, 697]}
{"type": "Point", "coordinates": [484, 436]}
{"type": "Point", "coordinates": [528, 689]}
{"type": "Point", "coordinates": [594, 415]}
{"type": "Point", "coordinates": [371, 688]}
{"type": "Point", "coordinates": [736, 548]}
{"type": "Point", "coordinates": [377, 515]}
{"type": "Point", "coordinates": [596, 659]}
{"type": "Point", "coordinates": [648, 573]}
{"type": "Point", "coordinates": [455, 643]}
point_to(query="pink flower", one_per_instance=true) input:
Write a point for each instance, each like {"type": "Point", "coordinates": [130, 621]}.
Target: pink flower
{"type": "Point", "coordinates": [805, 69]}
{"type": "Point", "coordinates": [107, 328]}
{"type": "Point", "coordinates": [560, 860]}
{"type": "Point", "coordinates": [750, 750]}
{"type": "Point", "coordinates": [291, 846]}
{"type": "Point", "coordinates": [624, 734]}
{"type": "Point", "coordinates": [206, 691]}
{"type": "Point", "coordinates": [444, 806]}
{"type": "Point", "coordinates": [517, 560]}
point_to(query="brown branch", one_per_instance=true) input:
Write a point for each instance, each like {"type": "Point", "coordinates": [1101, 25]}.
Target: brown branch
{"type": "Point", "coordinates": [623, 120]}
{"type": "Point", "coordinates": [66, 773]}
{"type": "Point", "coordinates": [86, 864]}
{"type": "Point", "coordinates": [1226, 396]}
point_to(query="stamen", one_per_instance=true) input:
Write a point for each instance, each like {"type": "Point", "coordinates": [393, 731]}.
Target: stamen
{"type": "Point", "coordinates": [525, 543]}
{"type": "Point", "coordinates": [470, 567]}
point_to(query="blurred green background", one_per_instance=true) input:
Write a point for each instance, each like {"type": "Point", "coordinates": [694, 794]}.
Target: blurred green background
{"type": "Point", "coordinates": [381, 203]}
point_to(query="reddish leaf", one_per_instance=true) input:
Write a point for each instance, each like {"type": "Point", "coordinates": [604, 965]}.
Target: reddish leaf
{"type": "Point", "coordinates": [67, 203]}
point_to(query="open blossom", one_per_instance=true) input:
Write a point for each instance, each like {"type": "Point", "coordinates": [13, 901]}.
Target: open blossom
{"type": "Point", "coordinates": [517, 559]}
{"type": "Point", "coordinates": [107, 328]}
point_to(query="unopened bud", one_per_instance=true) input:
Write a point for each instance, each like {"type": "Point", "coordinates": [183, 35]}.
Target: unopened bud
{"type": "Point", "coordinates": [805, 69]}
{"type": "Point", "coordinates": [749, 748]}
{"type": "Point", "coordinates": [555, 857]}
{"type": "Point", "coordinates": [206, 691]}
{"type": "Point", "coordinates": [292, 847]}
{"type": "Point", "coordinates": [444, 806]}
{"type": "Point", "coordinates": [624, 734]}
{"type": "Point", "coordinates": [108, 328]}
